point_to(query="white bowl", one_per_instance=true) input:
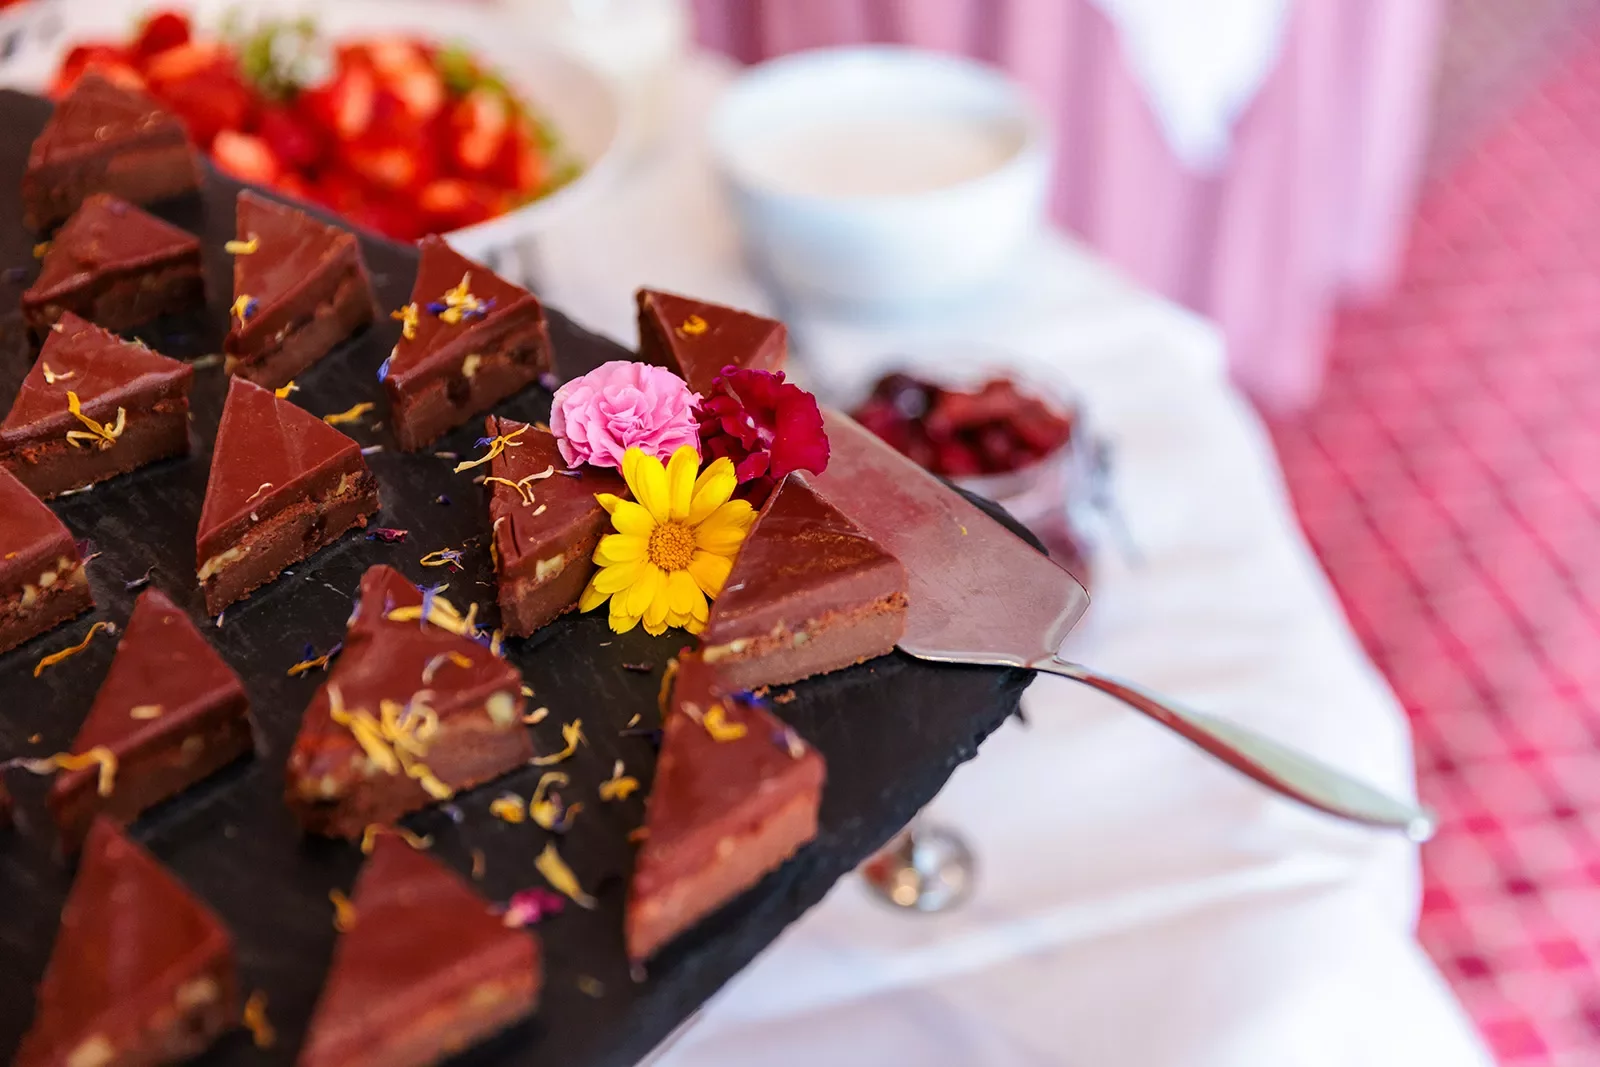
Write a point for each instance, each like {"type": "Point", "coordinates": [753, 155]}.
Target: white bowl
{"type": "Point", "coordinates": [880, 176]}
{"type": "Point", "coordinates": [578, 103]}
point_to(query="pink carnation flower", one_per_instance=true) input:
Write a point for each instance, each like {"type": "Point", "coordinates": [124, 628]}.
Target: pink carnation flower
{"type": "Point", "coordinates": [622, 405]}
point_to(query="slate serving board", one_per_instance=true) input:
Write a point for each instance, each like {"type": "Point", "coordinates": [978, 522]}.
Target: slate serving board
{"type": "Point", "coordinates": [892, 730]}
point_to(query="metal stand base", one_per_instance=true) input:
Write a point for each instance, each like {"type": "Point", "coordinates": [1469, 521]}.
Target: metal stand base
{"type": "Point", "coordinates": [925, 868]}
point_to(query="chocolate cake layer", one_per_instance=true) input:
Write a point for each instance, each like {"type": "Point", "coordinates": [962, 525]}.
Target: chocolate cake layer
{"type": "Point", "coordinates": [545, 532]}
{"type": "Point", "coordinates": [142, 972]}
{"type": "Point", "coordinates": [42, 580]}
{"type": "Point", "coordinates": [116, 383]}
{"type": "Point", "coordinates": [736, 793]}
{"type": "Point", "coordinates": [342, 778]}
{"type": "Point", "coordinates": [283, 484]}
{"type": "Point", "coordinates": [116, 266]}
{"type": "Point", "coordinates": [474, 339]}
{"type": "Point", "coordinates": [808, 593]}
{"type": "Point", "coordinates": [305, 283]}
{"type": "Point", "coordinates": [697, 339]}
{"type": "Point", "coordinates": [104, 138]}
{"type": "Point", "coordinates": [171, 711]}
{"type": "Point", "coordinates": [425, 972]}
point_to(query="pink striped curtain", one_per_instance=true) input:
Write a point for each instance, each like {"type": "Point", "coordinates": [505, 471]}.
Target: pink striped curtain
{"type": "Point", "coordinates": [1311, 205]}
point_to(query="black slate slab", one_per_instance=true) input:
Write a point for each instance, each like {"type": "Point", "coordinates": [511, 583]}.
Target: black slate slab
{"type": "Point", "coordinates": [892, 730]}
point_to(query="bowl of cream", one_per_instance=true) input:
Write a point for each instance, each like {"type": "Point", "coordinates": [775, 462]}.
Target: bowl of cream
{"type": "Point", "coordinates": [880, 177]}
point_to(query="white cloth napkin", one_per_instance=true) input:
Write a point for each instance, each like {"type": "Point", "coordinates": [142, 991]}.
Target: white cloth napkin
{"type": "Point", "coordinates": [1200, 63]}
{"type": "Point", "coordinates": [1138, 905]}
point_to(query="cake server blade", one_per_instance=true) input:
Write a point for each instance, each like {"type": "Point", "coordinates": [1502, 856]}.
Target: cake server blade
{"type": "Point", "coordinates": [980, 594]}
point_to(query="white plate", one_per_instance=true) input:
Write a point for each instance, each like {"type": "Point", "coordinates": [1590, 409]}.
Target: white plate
{"type": "Point", "coordinates": [577, 102]}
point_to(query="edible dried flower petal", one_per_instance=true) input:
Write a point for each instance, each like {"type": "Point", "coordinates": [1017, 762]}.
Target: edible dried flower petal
{"type": "Point", "coordinates": [555, 870]}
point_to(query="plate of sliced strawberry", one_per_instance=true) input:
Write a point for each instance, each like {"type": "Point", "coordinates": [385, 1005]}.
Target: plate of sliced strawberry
{"type": "Point", "coordinates": [406, 118]}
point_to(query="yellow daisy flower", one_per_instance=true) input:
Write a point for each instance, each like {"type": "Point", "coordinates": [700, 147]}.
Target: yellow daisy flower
{"type": "Point", "coordinates": [673, 548]}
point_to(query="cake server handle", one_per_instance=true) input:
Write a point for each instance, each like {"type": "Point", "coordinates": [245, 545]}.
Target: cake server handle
{"type": "Point", "coordinates": [1283, 769]}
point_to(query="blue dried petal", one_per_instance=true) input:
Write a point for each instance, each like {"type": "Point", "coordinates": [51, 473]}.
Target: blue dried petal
{"type": "Point", "coordinates": [437, 307]}
{"type": "Point", "coordinates": [383, 368]}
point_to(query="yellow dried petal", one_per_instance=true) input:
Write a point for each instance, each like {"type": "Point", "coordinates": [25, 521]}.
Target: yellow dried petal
{"type": "Point", "coordinates": [344, 912]}
{"type": "Point", "coordinates": [67, 761]}
{"type": "Point", "coordinates": [339, 418]}
{"type": "Point", "coordinates": [555, 870]}
{"type": "Point", "coordinates": [572, 734]}
{"type": "Point", "coordinates": [66, 653]}
{"type": "Point", "coordinates": [255, 1020]}
{"type": "Point", "coordinates": [717, 725]}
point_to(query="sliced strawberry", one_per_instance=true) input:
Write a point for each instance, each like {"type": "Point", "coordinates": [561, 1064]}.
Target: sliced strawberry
{"type": "Point", "coordinates": [162, 31]}
{"type": "Point", "coordinates": [292, 138]}
{"type": "Point", "coordinates": [451, 203]}
{"type": "Point", "coordinates": [296, 186]}
{"type": "Point", "coordinates": [419, 89]}
{"type": "Point", "coordinates": [387, 161]}
{"type": "Point", "coordinates": [246, 157]}
{"type": "Point", "coordinates": [344, 106]}
{"type": "Point", "coordinates": [201, 82]}
{"type": "Point", "coordinates": [480, 124]}
{"type": "Point", "coordinates": [532, 167]}
{"type": "Point", "coordinates": [185, 61]}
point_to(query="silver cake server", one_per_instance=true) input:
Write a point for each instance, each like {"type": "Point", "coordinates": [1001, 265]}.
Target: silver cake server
{"type": "Point", "coordinates": [979, 594]}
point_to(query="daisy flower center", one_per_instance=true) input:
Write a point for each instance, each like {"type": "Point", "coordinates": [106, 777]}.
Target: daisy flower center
{"type": "Point", "coordinates": [671, 546]}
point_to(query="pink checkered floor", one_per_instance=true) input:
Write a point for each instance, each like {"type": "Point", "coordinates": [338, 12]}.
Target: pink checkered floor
{"type": "Point", "coordinates": [1449, 478]}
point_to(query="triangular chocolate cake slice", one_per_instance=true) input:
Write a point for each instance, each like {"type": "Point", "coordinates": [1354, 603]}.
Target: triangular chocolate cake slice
{"type": "Point", "coordinates": [546, 524]}
{"type": "Point", "coordinates": [413, 712]}
{"type": "Point", "coordinates": [42, 580]}
{"type": "Point", "coordinates": [470, 340]}
{"type": "Point", "coordinates": [809, 592]}
{"type": "Point", "coordinates": [104, 138]}
{"type": "Point", "coordinates": [117, 266]}
{"type": "Point", "coordinates": [283, 485]}
{"type": "Point", "coordinates": [425, 971]}
{"type": "Point", "coordinates": [299, 287]}
{"type": "Point", "coordinates": [134, 402]}
{"type": "Point", "coordinates": [142, 972]}
{"type": "Point", "coordinates": [735, 794]}
{"type": "Point", "coordinates": [170, 711]}
{"type": "Point", "coordinates": [697, 339]}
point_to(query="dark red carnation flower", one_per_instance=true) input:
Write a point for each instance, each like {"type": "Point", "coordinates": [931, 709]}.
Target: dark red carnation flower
{"type": "Point", "coordinates": [768, 427]}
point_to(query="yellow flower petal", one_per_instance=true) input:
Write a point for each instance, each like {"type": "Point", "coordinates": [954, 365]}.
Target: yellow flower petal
{"type": "Point", "coordinates": [620, 548]}
{"type": "Point", "coordinates": [630, 518]}
{"type": "Point", "coordinates": [650, 584]}
{"type": "Point", "coordinates": [719, 468]}
{"type": "Point", "coordinates": [655, 616]}
{"type": "Point", "coordinates": [621, 621]}
{"type": "Point", "coordinates": [649, 485]}
{"type": "Point", "coordinates": [616, 578]}
{"type": "Point", "coordinates": [724, 540]}
{"type": "Point", "coordinates": [712, 489]}
{"type": "Point", "coordinates": [592, 597]}
{"type": "Point", "coordinates": [683, 594]}
{"type": "Point", "coordinates": [696, 626]}
{"type": "Point", "coordinates": [630, 464]}
{"type": "Point", "coordinates": [734, 513]}
{"type": "Point", "coordinates": [709, 571]}
{"type": "Point", "coordinates": [609, 501]}
{"type": "Point", "coordinates": [680, 481]}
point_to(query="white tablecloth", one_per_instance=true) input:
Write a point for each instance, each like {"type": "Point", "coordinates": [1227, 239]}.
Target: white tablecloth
{"type": "Point", "coordinates": [1138, 905]}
